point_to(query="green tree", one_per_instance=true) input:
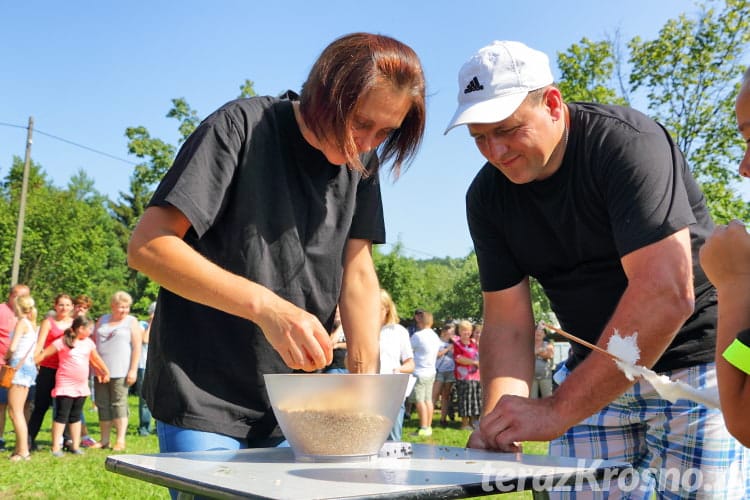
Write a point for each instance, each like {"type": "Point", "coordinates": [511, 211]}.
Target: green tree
{"type": "Point", "coordinates": [464, 297]}
{"type": "Point", "coordinates": [247, 89]}
{"type": "Point", "coordinates": [688, 77]}
{"type": "Point", "coordinates": [426, 284]}
{"type": "Point", "coordinates": [187, 116]}
{"type": "Point", "coordinates": [690, 74]}
{"type": "Point", "coordinates": [157, 155]}
{"type": "Point", "coordinates": [587, 68]}
{"type": "Point", "coordinates": [400, 276]}
{"type": "Point", "coordinates": [68, 243]}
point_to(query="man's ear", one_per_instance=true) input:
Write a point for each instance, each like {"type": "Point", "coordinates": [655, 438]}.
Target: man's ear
{"type": "Point", "coordinates": [553, 101]}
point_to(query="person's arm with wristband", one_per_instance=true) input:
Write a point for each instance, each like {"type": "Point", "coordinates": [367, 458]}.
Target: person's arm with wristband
{"type": "Point", "coordinates": [725, 257]}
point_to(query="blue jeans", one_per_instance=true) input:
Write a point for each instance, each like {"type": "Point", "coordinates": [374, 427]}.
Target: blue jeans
{"type": "Point", "coordinates": [337, 370]}
{"type": "Point", "coordinates": [398, 425]}
{"type": "Point", "coordinates": [173, 439]}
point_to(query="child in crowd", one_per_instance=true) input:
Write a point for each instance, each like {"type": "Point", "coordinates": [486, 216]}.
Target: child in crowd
{"type": "Point", "coordinates": [20, 356]}
{"type": "Point", "coordinates": [466, 358]}
{"type": "Point", "coordinates": [444, 380]}
{"type": "Point", "coordinates": [81, 306]}
{"type": "Point", "coordinates": [76, 351]}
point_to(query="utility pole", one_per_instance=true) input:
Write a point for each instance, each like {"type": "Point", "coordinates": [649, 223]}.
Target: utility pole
{"type": "Point", "coordinates": [22, 204]}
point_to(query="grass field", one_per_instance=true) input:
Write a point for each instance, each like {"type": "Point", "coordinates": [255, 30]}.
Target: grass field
{"type": "Point", "coordinates": [84, 477]}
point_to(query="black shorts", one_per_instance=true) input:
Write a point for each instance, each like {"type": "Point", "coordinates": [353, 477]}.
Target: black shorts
{"type": "Point", "coordinates": [68, 410]}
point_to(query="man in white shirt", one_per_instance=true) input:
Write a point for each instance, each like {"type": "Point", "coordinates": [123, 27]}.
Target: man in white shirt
{"type": "Point", "coordinates": [425, 343]}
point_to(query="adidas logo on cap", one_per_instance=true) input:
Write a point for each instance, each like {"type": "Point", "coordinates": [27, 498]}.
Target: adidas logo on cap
{"type": "Point", "coordinates": [473, 86]}
{"type": "Point", "coordinates": [508, 71]}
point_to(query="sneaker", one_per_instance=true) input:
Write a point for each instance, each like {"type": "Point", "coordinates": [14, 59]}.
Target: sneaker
{"type": "Point", "coordinates": [77, 452]}
{"type": "Point", "coordinates": [424, 432]}
{"type": "Point", "coordinates": [87, 442]}
{"type": "Point", "coordinates": [58, 454]}
{"type": "Point", "coordinates": [2, 445]}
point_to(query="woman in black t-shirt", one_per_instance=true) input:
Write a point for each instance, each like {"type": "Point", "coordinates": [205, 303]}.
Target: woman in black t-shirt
{"type": "Point", "coordinates": [262, 225]}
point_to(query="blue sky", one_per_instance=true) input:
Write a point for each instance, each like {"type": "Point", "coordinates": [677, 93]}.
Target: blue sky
{"type": "Point", "coordinates": [88, 70]}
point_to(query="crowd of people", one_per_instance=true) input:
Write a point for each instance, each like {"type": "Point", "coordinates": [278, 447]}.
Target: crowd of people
{"type": "Point", "coordinates": [596, 202]}
{"type": "Point", "coordinates": [62, 361]}
{"type": "Point", "coordinates": [444, 366]}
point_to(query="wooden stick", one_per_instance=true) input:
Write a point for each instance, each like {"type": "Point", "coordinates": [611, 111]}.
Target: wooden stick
{"type": "Point", "coordinates": [575, 339]}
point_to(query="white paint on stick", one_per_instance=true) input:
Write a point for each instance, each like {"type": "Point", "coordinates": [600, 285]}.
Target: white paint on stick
{"type": "Point", "coordinates": [627, 350]}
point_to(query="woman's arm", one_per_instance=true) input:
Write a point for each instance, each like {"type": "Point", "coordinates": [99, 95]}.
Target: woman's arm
{"type": "Point", "coordinates": [407, 366]}
{"type": "Point", "coordinates": [102, 372]}
{"type": "Point", "coordinates": [445, 351]}
{"type": "Point", "coordinates": [464, 360]}
{"type": "Point", "coordinates": [42, 337]}
{"type": "Point", "coordinates": [15, 338]}
{"type": "Point", "coordinates": [147, 330]}
{"type": "Point", "coordinates": [136, 343]}
{"type": "Point", "coordinates": [360, 308]}
{"type": "Point", "coordinates": [47, 352]}
{"type": "Point", "coordinates": [157, 249]}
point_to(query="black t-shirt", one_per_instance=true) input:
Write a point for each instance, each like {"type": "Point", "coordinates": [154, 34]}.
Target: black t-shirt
{"type": "Point", "coordinates": [265, 205]}
{"type": "Point", "coordinates": [622, 185]}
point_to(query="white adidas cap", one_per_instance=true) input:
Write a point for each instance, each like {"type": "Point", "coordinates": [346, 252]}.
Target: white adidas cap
{"type": "Point", "coordinates": [495, 81]}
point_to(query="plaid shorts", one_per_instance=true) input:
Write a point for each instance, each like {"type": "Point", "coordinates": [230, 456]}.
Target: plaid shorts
{"type": "Point", "coordinates": [678, 450]}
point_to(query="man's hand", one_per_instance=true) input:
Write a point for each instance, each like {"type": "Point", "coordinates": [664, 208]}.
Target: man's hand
{"type": "Point", "coordinates": [476, 441]}
{"type": "Point", "coordinates": [516, 419]}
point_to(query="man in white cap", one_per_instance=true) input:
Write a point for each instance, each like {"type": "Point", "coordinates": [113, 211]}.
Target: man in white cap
{"type": "Point", "coordinates": [598, 204]}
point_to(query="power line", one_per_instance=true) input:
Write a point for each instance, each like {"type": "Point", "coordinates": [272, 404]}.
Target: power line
{"type": "Point", "coordinates": [412, 250]}
{"type": "Point", "coordinates": [73, 143]}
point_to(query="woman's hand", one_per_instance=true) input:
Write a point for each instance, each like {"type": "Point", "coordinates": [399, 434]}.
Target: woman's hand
{"type": "Point", "coordinates": [296, 335]}
{"type": "Point", "coordinates": [131, 377]}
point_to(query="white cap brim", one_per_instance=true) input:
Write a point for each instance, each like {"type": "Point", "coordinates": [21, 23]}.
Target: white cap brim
{"type": "Point", "coordinates": [487, 111]}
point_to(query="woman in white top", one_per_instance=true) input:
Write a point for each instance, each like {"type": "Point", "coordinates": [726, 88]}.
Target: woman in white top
{"type": "Point", "coordinates": [21, 357]}
{"type": "Point", "coordinates": [396, 355]}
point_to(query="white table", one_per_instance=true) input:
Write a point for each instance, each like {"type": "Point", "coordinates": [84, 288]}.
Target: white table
{"type": "Point", "coordinates": [431, 472]}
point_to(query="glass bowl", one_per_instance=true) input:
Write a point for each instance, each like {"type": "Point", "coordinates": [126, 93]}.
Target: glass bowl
{"type": "Point", "coordinates": [336, 416]}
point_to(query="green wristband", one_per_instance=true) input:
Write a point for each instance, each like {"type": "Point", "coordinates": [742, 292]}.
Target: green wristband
{"type": "Point", "coordinates": [738, 352]}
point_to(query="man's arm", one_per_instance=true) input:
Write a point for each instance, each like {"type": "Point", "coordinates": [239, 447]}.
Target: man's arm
{"type": "Point", "coordinates": [506, 350]}
{"type": "Point", "coordinates": [360, 308]}
{"type": "Point", "coordinates": [657, 301]}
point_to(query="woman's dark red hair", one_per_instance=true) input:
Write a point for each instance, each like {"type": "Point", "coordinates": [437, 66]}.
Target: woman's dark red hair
{"type": "Point", "coordinates": [345, 71]}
